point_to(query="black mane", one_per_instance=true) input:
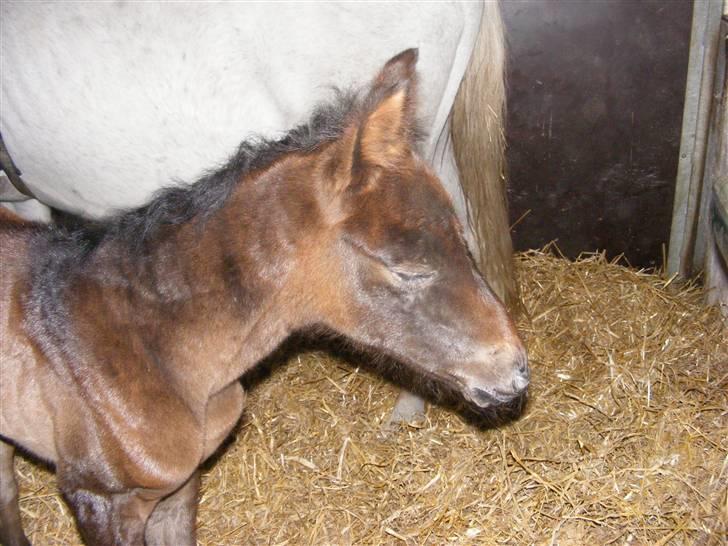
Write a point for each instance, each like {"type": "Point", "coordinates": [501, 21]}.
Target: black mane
{"type": "Point", "coordinates": [180, 203]}
{"type": "Point", "coordinates": [60, 251]}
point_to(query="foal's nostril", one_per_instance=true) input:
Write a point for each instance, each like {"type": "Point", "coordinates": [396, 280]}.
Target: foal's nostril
{"type": "Point", "coordinates": [520, 382]}
{"type": "Point", "coordinates": [522, 374]}
{"type": "Point", "coordinates": [522, 364]}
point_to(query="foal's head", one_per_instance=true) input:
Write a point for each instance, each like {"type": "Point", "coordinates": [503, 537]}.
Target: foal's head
{"type": "Point", "coordinates": [391, 270]}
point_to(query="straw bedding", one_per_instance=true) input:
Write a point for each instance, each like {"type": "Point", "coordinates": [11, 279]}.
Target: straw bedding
{"type": "Point", "coordinates": [624, 439]}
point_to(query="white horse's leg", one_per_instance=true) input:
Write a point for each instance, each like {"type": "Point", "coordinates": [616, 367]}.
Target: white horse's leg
{"type": "Point", "coordinates": [408, 408]}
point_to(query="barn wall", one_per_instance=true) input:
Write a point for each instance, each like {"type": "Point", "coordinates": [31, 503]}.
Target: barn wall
{"type": "Point", "coordinates": [703, 88]}
{"type": "Point", "coordinates": [595, 103]}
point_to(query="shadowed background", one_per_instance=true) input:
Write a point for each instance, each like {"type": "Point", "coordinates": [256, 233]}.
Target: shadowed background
{"type": "Point", "coordinates": [595, 101]}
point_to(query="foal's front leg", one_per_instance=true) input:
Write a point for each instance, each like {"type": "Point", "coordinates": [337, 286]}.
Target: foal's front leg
{"type": "Point", "coordinates": [173, 520]}
{"type": "Point", "coordinates": [106, 519]}
{"type": "Point", "coordinates": [11, 531]}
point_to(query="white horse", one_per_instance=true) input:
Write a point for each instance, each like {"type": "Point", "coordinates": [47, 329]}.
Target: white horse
{"type": "Point", "coordinates": [101, 104]}
{"type": "Point", "coordinates": [104, 103]}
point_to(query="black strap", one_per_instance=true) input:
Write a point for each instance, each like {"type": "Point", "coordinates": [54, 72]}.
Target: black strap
{"type": "Point", "coordinates": [11, 171]}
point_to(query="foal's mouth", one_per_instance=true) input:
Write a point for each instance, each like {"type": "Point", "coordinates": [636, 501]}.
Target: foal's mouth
{"type": "Point", "coordinates": [489, 398]}
{"type": "Point", "coordinates": [485, 398]}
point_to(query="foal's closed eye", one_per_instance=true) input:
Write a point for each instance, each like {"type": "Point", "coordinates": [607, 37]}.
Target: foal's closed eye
{"type": "Point", "coordinates": [413, 275]}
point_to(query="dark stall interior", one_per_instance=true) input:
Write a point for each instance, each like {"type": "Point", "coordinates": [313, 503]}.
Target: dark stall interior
{"type": "Point", "coordinates": [595, 102]}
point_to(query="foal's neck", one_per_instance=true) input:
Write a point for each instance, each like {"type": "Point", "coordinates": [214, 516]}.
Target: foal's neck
{"type": "Point", "coordinates": [214, 283]}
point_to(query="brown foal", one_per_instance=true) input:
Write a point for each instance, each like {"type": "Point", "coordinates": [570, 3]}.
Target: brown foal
{"type": "Point", "coordinates": [123, 341]}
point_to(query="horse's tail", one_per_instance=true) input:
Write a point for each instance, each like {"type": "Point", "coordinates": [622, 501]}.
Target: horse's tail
{"type": "Point", "coordinates": [479, 146]}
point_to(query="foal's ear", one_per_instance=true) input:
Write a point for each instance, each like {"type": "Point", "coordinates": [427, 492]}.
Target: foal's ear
{"type": "Point", "coordinates": [382, 132]}
{"type": "Point", "coordinates": [386, 129]}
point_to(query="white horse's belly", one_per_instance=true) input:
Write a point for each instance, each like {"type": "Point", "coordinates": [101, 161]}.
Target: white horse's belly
{"type": "Point", "coordinates": [104, 103]}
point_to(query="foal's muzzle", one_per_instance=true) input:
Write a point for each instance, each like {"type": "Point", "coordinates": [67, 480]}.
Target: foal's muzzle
{"type": "Point", "coordinates": [498, 380]}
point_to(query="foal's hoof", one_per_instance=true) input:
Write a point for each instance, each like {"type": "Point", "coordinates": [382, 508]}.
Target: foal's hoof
{"type": "Point", "coordinates": [409, 409]}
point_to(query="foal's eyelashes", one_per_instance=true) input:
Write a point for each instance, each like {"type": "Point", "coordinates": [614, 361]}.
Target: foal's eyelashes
{"type": "Point", "coordinates": [414, 274]}
{"type": "Point", "coordinates": [404, 273]}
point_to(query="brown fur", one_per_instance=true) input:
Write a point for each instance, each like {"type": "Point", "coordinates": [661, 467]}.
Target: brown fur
{"type": "Point", "coordinates": [123, 371]}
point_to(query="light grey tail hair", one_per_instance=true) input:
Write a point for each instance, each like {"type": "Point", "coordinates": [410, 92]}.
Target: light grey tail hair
{"type": "Point", "coordinates": [479, 145]}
